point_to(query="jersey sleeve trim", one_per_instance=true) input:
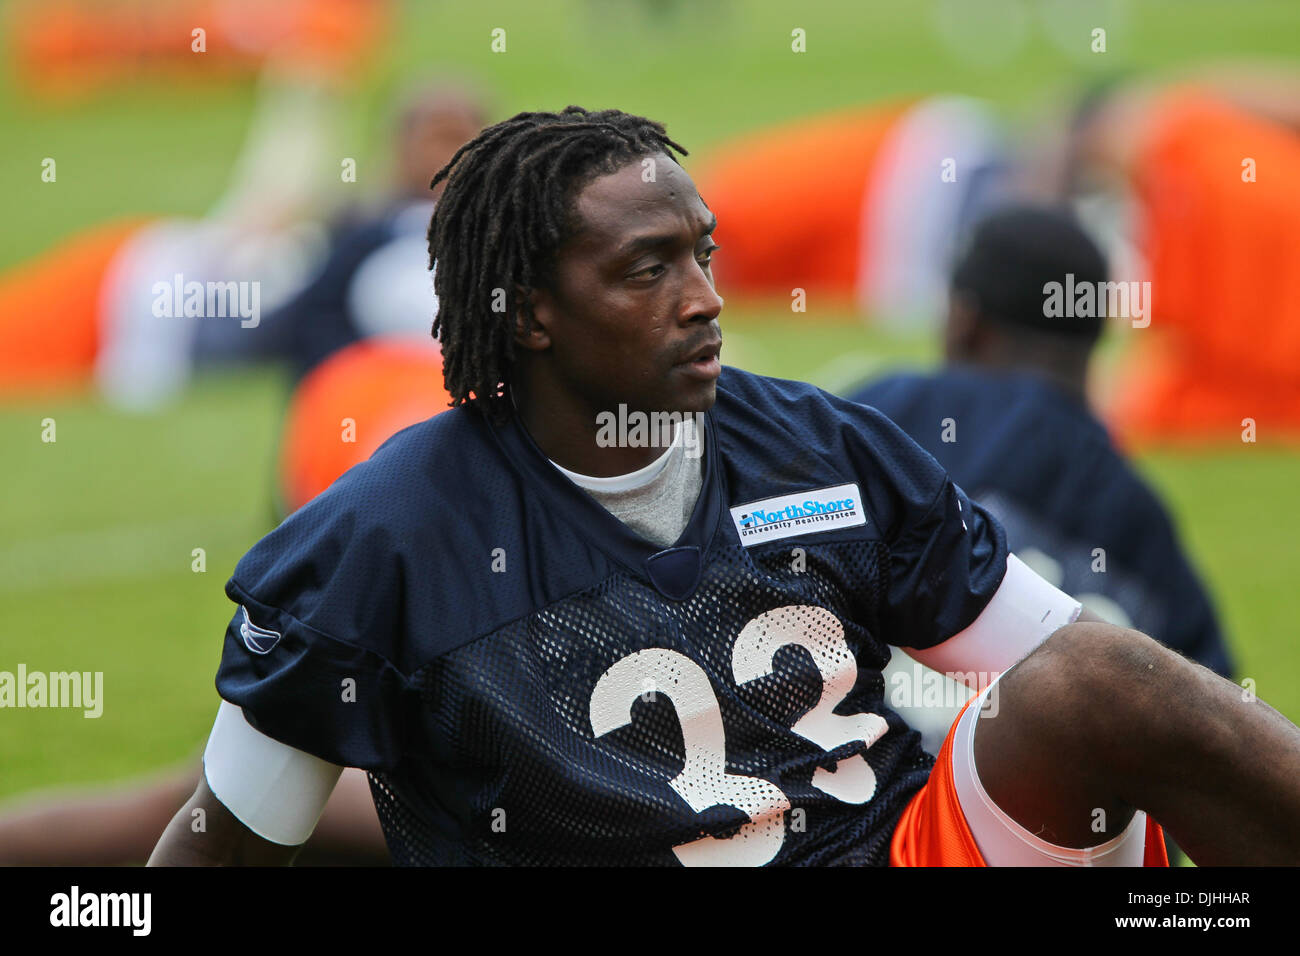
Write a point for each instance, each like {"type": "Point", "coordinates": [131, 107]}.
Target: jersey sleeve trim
{"type": "Point", "coordinates": [343, 703]}
{"type": "Point", "coordinates": [1023, 612]}
{"type": "Point", "coordinates": [277, 791]}
{"type": "Point", "coordinates": [242, 595]}
{"type": "Point", "coordinates": [945, 568]}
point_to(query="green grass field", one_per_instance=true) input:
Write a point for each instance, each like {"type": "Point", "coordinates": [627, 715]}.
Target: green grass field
{"type": "Point", "coordinates": [97, 529]}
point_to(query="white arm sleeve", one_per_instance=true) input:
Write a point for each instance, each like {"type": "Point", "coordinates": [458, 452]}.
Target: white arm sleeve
{"type": "Point", "coordinates": [275, 790]}
{"type": "Point", "coordinates": [1022, 614]}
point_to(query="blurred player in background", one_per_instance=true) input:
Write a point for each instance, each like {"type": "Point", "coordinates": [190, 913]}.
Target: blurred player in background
{"type": "Point", "coordinates": [856, 207]}
{"type": "Point", "coordinates": [1200, 181]}
{"type": "Point", "coordinates": [356, 336]}
{"type": "Point", "coordinates": [1008, 418]}
{"type": "Point", "coordinates": [98, 308]}
{"type": "Point", "coordinates": [374, 280]}
{"type": "Point", "coordinates": [1192, 185]}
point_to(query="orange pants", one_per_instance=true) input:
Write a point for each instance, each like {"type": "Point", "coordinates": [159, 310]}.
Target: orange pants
{"type": "Point", "coordinates": [933, 831]}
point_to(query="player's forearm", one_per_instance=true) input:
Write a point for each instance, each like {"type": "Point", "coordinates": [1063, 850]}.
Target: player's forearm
{"type": "Point", "coordinates": [205, 833]}
{"type": "Point", "coordinates": [178, 846]}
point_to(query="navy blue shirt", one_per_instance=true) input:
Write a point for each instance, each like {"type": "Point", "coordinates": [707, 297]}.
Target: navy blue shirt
{"type": "Point", "coordinates": [1039, 461]}
{"type": "Point", "coordinates": [530, 682]}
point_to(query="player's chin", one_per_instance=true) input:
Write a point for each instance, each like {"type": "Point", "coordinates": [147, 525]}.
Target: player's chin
{"type": "Point", "coordinates": [693, 387]}
{"type": "Point", "coordinates": [698, 399]}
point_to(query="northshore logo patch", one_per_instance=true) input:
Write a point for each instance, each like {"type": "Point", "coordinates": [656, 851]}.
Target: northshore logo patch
{"type": "Point", "coordinates": [803, 512]}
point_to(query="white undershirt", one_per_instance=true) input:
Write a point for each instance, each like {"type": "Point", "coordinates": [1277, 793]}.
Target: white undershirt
{"type": "Point", "coordinates": [629, 482]}
{"type": "Point", "coordinates": [656, 501]}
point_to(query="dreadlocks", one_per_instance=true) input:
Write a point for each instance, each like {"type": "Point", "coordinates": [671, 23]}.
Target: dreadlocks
{"type": "Point", "coordinates": [497, 230]}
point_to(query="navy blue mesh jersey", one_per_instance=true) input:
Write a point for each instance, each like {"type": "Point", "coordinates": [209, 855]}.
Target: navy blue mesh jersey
{"type": "Point", "coordinates": [530, 682]}
{"type": "Point", "coordinates": [1040, 462]}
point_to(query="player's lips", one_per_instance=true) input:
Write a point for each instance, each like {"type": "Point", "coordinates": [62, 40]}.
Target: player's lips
{"type": "Point", "coordinates": [703, 363]}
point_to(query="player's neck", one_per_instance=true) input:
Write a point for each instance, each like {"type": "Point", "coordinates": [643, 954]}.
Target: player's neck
{"type": "Point", "coordinates": [570, 434]}
{"type": "Point", "coordinates": [1068, 377]}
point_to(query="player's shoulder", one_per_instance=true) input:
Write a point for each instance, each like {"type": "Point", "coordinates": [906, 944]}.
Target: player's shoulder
{"type": "Point", "coordinates": [912, 387]}
{"type": "Point", "coordinates": [413, 489]}
{"type": "Point", "coordinates": [799, 409]}
{"type": "Point", "coordinates": [423, 473]}
{"type": "Point", "coordinates": [1022, 436]}
{"type": "Point", "coordinates": [763, 390]}
{"type": "Point", "coordinates": [780, 414]}
{"type": "Point", "coordinates": [778, 435]}
{"type": "Point", "coordinates": [358, 562]}
{"type": "Point", "coordinates": [996, 408]}
{"type": "Point", "coordinates": [895, 384]}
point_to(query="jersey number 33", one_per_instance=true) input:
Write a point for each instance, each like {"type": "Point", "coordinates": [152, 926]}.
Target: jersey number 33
{"type": "Point", "coordinates": [704, 781]}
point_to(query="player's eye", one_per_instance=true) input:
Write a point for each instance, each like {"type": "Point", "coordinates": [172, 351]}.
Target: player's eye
{"type": "Point", "coordinates": [653, 272]}
{"type": "Point", "coordinates": [647, 273]}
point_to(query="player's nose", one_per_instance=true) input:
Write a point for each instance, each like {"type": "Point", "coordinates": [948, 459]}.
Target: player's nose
{"type": "Point", "coordinates": [700, 299]}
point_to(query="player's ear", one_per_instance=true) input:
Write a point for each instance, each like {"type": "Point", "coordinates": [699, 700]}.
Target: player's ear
{"type": "Point", "coordinates": [534, 335]}
{"type": "Point", "coordinates": [962, 327]}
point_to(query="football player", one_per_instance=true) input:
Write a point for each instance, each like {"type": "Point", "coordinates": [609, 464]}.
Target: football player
{"type": "Point", "coordinates": [550, 639]}
{"type": "Point", "coordinates": [1008, 418]}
